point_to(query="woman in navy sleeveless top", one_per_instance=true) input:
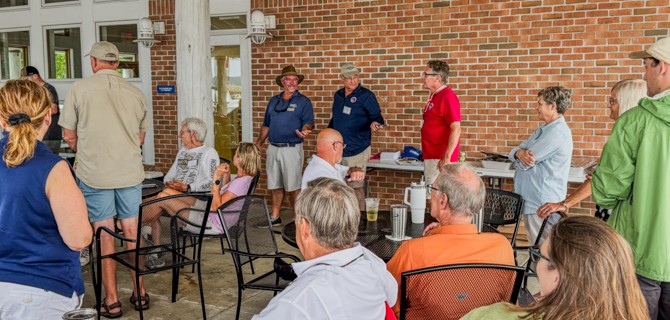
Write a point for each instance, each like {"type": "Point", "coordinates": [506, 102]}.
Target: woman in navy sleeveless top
{"type": "Point", "coordinates": [43, 217]}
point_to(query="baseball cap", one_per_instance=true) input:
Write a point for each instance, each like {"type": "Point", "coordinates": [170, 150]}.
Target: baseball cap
{"type": "Point", "coordinates": [29, 71]}
{"type": "Point", "coordinates": [349, 69]}
{"type": "Point", "coordinates": [659, 50]}
{"type": "Point", "coordinates": [104, 50]}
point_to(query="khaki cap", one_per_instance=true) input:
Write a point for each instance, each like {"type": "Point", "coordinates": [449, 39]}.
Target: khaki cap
{"type": "Point", "coordinates": [349, 69]}
{"type": "Point", "coordinates": [104, 50]}
{"type": "Point", "coordinates": [660, 50]}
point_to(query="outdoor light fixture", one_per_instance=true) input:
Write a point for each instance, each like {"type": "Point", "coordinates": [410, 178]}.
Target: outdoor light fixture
{"type": "Point", "coordinates": [146, 32]}
{"type": "Point", "coordinates": [259, 22]}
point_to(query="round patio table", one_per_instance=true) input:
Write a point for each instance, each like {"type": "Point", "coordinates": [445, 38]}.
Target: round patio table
{"type": "Point", "coordinates": [372, 234]}
{"type": "Point", "coordinates": [148, 190]}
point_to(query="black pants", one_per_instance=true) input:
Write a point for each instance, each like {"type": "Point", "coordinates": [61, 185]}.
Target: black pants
{"type": "Point", "coordinates": [657, 294]}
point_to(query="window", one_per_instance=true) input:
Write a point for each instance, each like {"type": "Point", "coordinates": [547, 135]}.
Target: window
{"type": "Point", "coordinates": [122, 37]}
{"type": "Point", "coordinates": [13, 3]}
{"type": "Point", "coordinates": [14, 52]}
{"type": "Point", "coordinates": [59, 1]}
{"type": "Point", "coordinates": [229, 22]}
{"type": "Point", "coordinates": [64, 53]}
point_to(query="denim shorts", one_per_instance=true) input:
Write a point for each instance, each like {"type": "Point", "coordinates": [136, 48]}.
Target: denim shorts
{"type": "Point", "coordinates": [102, 204]}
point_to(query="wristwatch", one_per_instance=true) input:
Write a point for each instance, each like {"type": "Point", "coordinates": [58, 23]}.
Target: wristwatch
{"type": "Point", "coordinates": [565, 205]}
{"type": "Point", "coordinates": [188, 189]}
{"type": "Point", "coordinates": [217, 182]}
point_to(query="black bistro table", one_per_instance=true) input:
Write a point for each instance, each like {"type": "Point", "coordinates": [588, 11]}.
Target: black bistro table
{"type": "Point", "coordinates": [148, 190]}
{"type": "Point", "coordinates": [372, 234]}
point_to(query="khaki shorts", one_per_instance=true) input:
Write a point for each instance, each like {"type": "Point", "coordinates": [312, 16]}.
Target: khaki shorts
{"type": "Point", "coordinates": [283, 167]}
{"type": "Point", "coordinates": [430, 172]}
{"type": "Point", "coordinates": [360, 160]}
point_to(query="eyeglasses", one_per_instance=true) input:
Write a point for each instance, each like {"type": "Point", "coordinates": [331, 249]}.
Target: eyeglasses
{"type": "Point", "coordinates": [182, 132]}
{"type": "Point", "coordinates": [352, 78]}
{"type": "Point", "coordinates": [344, 145]}
{"type": "Point", "coordinates": [535, 256]}
{"type": "Point", "coordinates": [612, 101]}
{"type": "Point", "coordinates": [430, 74]}
{"type": "Point", "coordinates": [433, 188]}
{"type": "Point", "coordinates": [290, 79]}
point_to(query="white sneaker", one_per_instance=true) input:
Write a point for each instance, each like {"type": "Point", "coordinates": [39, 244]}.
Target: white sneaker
{"type": "Point", "coordinates": [84, 257]}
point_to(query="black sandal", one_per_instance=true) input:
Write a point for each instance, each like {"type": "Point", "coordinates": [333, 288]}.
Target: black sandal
{"type": "Point", "coordinates": [108, 314]}
{"type": "Point", "coordinates": [145, 306]}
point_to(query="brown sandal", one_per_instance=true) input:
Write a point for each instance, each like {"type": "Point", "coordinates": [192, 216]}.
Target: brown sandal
{"type": "Point", "coordinates": [108, 314]}
{"type": "Point", "coordinates": [145, 306]}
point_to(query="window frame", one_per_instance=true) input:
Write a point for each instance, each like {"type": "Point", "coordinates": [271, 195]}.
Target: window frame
{"type": "Point", "coordinates": [45, 48]}
{"type": "Point", "coordinates": [99, 24]}
{"type": "Point", "coordinates": [60, 4]}
{"type": "Point", "coordinates": [16, 8]}
{"type": "Point", "coordinates": [28, 53]}
{"type": "Point", "coordinates": [230, 31]}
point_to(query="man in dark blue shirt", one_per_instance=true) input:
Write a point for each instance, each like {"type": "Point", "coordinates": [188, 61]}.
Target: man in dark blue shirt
{"type": "Point", "coordinates": [289, 118]}
{"type": "Point", "coordinates": [356, 114]}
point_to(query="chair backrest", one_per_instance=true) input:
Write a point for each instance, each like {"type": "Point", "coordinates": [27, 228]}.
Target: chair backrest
{"type": "Point", "coordinates": [502, 207]}
{"type": "Point", "coordinates": [240, 217]}
{"type": "Point", "coordinates": [160, 221]}
{"type": "Point", "coordinates": [546, 227]}
{"type": "Point", "coordinates": [450, 292]}
{"type": "Point", "coordinates": [254, 182]}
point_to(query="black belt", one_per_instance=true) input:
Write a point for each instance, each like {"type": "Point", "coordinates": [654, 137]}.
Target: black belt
{"type": "Point", "coordinates": [282, 145]}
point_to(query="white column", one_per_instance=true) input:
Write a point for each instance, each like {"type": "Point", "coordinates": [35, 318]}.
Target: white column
{"type": "Point", "coordinates": [194, 71]}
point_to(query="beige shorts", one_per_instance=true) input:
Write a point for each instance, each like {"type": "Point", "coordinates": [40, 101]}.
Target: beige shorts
{"type": "Point", "coordinates": [283, 167]}
{"type": "Point", "coordinates": [430, 172]}
{"type": "Point", "coordinates": [360, 160]}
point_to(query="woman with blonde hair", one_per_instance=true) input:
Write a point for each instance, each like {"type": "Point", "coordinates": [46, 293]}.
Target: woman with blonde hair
{"type": "Point", "coordinates": [586, 272]}
{"type": "Point", "coordinates": [43, 217]}
{"type": "Point", "coordinates": [624, 95]}
{"type": "Point", "coordinates": [247, 159]}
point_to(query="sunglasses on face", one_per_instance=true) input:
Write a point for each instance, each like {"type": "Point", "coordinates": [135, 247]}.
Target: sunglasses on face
{"type": "Point", "coordinates": [430, 74]}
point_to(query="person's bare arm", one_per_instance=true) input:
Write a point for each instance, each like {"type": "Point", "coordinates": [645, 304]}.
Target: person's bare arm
{"type": "Point", "coordinates": [265, 131]}
{"type": "Point", "coordinates": [218, 201]}
{"type": "Point", "coordinates": [576, 197]}
{"type": "Point", "coordinates": [69, 208]}
{"type": "Point", "coordinates": [70, 136]}
{"type": "Point", "coordinates": [142, 136]}
{"type": "Point", "coordinates": [451, 145]}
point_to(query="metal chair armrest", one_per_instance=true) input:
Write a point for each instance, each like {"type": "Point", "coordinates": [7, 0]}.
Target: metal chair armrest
{"type": "Point", "coordinates": [189, 222]}
{"type": "Point", "coordinates": [264, 256]}
{"type": "Point", "coordinates": [113, 234]}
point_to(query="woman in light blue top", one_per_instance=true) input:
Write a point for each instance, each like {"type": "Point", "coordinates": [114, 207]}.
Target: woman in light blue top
{"type": "Point", "coordinates": [543, 160]}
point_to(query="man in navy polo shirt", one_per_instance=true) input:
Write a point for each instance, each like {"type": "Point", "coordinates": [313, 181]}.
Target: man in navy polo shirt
{"type": "Point", "coordinates": [356, 114]}
{"type": "Point", "coordinates": [289, 118]}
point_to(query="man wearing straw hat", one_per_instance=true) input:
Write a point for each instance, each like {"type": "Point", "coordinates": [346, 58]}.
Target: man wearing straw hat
{"type": "Point", "coordinates": [289, 118]}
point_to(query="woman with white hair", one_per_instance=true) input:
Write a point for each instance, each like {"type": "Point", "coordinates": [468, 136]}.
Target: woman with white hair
{"type": "Point", "coordinates": [624, 95]}
{"type": "Point", "coordinates": [193, 169]}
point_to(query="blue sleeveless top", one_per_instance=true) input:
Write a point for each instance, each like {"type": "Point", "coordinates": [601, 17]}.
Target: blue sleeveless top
{"type": "Point", "coordinates": [32, 251]}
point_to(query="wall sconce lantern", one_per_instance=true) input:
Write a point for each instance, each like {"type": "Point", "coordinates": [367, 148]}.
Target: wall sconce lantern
{"type": "Point", "coordinates": [259, 23]}
{"type": "Point", "coordinates": [147, 29]}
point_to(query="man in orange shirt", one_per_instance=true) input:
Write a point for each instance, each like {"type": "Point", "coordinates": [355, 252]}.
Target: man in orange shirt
{"type": "Point", "coordinates": [457, 194]}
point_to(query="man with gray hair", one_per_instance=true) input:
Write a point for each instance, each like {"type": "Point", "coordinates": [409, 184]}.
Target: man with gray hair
{"type": "Point", "coordinates": [194, 166]}
{"type": "Point", "coordinates": [457, 195]}
{"type": "Point", "coordinates": [104, 120]}
{"type": "Point", "coordinates": [339, 278]}
{"type": "Point", "coordinates": [441, 128]}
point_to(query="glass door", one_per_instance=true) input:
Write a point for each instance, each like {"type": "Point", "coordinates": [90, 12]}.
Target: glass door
{"type": "Point", "coordinates": [230, 94]}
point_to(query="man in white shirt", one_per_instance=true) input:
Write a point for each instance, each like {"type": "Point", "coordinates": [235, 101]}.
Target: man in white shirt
{"type": "Point", "coordinates": [194, 166]}
{"type": "Point", "coordinates": [326, 162]}
{"type": "Point", "coordinates": [339, 278]}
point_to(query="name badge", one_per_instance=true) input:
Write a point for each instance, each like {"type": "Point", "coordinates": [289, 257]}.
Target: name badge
{"type": "Point", "coordinates": [346, 110]}
{"type": "Point", "coordinates": [291, 107]}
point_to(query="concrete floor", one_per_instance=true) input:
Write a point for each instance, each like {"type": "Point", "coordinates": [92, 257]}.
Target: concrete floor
{"type": "Point", "coordinates": [219, 284]}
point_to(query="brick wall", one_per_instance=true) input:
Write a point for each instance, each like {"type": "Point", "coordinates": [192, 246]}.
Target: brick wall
{"type": "Point", "coordinates": [501, 54]}
{"type": "Point", "coordinates": [164, 73]}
